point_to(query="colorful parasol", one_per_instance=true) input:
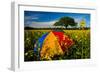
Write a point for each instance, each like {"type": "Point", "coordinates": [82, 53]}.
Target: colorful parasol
{"type": "Point", "coordinates": [53, 43]}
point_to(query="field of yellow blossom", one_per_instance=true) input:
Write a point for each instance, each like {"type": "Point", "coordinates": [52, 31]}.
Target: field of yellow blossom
{"type": "Point", "coordinates": [79, 49]}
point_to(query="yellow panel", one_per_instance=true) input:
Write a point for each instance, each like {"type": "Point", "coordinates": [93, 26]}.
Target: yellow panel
{"type": "Point", "coordinates": [50, 47]}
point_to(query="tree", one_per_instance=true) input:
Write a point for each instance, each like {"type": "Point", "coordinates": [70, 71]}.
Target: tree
{"type": "Point", "coordinates": [66, 21]}
{"type": "Point", "coordinates": [82, 23]}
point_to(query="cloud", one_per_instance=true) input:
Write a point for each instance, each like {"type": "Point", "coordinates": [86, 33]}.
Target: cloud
{"type": "Point", "coordinates": [35, 18]}
{"type": "Point", "coordinates": [77, 20]}
{"type": "Point", "coordinates": [31, 17]}
{"type": "Point", "coordinates": [42, 24]}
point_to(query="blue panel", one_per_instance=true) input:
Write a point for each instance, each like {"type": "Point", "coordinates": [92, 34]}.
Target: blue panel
{"type": "Point", "coordinates": [40, 42]}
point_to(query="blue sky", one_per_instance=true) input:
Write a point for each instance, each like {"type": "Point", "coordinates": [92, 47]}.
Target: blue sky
{"type": "Point", "coordinates": [38, 18]}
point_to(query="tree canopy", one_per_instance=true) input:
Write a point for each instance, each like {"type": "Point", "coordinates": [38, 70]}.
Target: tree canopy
{"type": "Point", "coordinates": [66, 21]}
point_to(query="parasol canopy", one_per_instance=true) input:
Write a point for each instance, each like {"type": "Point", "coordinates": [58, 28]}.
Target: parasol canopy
{"type": "Point", "coordinates": [53, 43]}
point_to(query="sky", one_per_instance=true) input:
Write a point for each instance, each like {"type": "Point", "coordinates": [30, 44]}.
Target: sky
{"type": "Point", "coordinates": [43, 19]}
